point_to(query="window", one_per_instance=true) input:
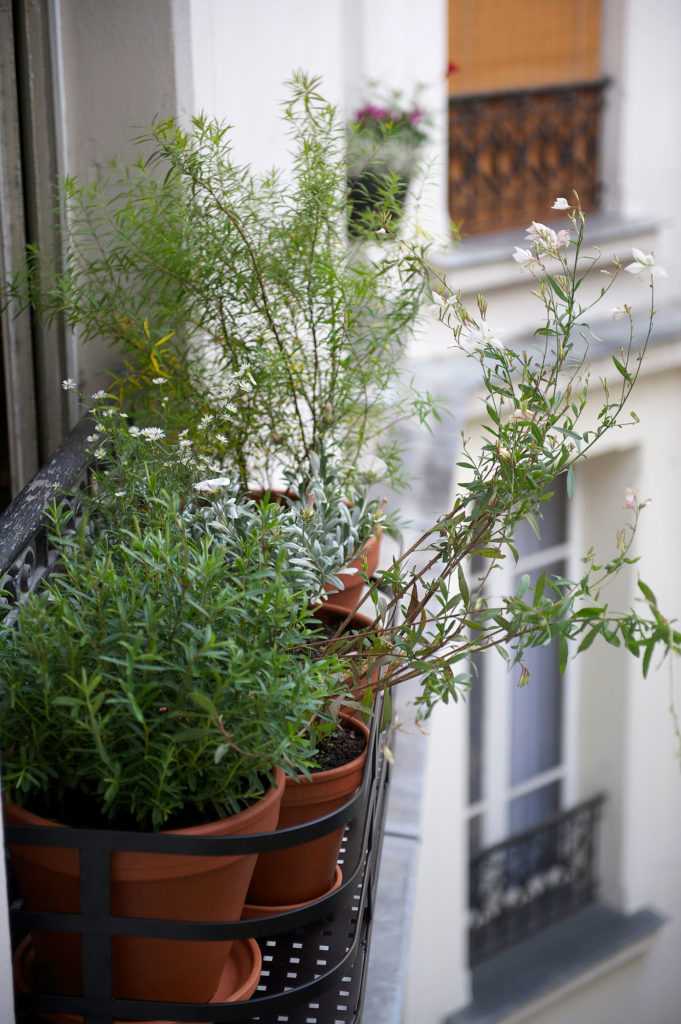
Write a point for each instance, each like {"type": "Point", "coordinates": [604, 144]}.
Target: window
{"type": "Point", "coordinates": [519, 738]}
{"type": "Point", "coordinates": [524, 108]}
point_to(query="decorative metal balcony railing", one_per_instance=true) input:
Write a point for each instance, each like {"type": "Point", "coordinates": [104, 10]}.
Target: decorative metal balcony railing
{"type": "Point", "coordinates": [532, 880]}
{"type": "Point", "coordinates": [512, 153]}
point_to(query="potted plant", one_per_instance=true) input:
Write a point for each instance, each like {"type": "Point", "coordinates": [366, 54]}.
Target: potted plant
{"type": "Point", "coordinates": [385, 138]}
{"type": "Point", "coordinates": [155, 682]}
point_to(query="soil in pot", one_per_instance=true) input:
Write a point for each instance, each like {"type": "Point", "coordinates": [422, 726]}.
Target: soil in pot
{"type": "Point", "coordinates": [184, 888]}
{"type": "Point", "coordinates": [306, 872]}
{"type": "Point", "coordinates": [353, 584]}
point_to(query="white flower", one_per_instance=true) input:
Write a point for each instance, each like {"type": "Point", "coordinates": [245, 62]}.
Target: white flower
{"type": "Point", "coordinates": [69, 384]}
{"type": "Point", "coordinates": [562, 238]}
{"type": "Point", "coordinates": [221, 439]}
{"type": "Point", "coordinates": [381, 231]}
{"type": "Point", "coordinates": [98, 395]}
{"type": "Point", "coordinates": [541, 235]}
{"type": "Point", "coordinates": [135, 431]}
{"type": "Point", "coordinates": [620, 312]}
{"type": "Point", "coordinates": [106, 412]}
{"type": "Point", "coordinates": [561, 203]}
{"type": "Point", "coordinates": [210, 486]}
{"type": "Point", "coordinates": [206, 420]}
{"type": "Point", "coordinates": [645, 262]}
{"type": "Point", "coordinates": [91, 438]}
{"type": "Point", "coordinates": [185, 442]}
{"type": "Point", "coordinates": [152, 433]}
{"type": "Point", "coordinates": [630, 498]}
{"type": "Point", "coordinates": [474, 338]}
{"type": "Point", "coordinates": [119, 494]}
{"type": "Point", "coordinates": [526, 258]}
{"type": "Point", "coordinates": [158, 380]}
{"type": "Point", "coordinates": [100, 453]}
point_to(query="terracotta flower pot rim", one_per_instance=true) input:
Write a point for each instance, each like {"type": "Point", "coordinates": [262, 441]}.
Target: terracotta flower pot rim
{"type": "Point", "coordinates": [300, 789]}
{"type": "Point", "coordinates": [138, 863]}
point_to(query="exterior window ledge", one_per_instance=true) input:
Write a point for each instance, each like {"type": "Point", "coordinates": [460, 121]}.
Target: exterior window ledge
{"type": "Point", "coordinates": [484, 262]}
{"type": "Point", "coordinates": [547, 968]}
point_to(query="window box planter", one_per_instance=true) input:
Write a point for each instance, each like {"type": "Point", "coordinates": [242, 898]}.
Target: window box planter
{"type": "Point", "coordinates": [313, 956]}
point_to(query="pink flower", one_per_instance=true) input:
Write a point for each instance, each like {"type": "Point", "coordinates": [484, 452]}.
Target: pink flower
{"type": "Point", "coordinates": [630, 498]}
{"type": "Point", "coordinates": [372, 113]}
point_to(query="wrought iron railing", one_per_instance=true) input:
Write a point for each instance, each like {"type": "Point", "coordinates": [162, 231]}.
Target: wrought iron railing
{"type": "Point", "coordinates": [532, 880]}
{"type": "Point", "coordinates": [512, 153]}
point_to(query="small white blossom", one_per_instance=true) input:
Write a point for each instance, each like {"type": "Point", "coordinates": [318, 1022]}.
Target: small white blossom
{"type": "Point", "coordinates": [119, 494]}
{"type": "Point", "coordinates": [645, 263]}
{"type": "Point", "coordinates": [221, 439]}
{"type": "Point", "coordinates": [210, 486]}
{"type": "Point", "coordinates": [474, 338]}
{"type": "Point", "coordinates": [135, 431]}
{"type": "Point", "coordinates": [185, 442]}
{"type": "Point", "coordinates": [526, 258]}
{"type": "Point", "coordinates": [159, 380]}
{"type": "Point", "coordinates": [69, 384]}
{"type": "Point", "coordinates": [381, 231]}
{"type": "Point", "coordinates": [100, 453]}
{"type": "Point", "coordinates": [206, 420]}
{"type": "Point", "coordinates": [630, 498]}
{"type": "Point", "coordinates": [153, 433]}
{"type": "Point", "coordinates": [561, 203]}
{"type": "Point", "coordinates": [92, 438]}
{"type": "Point", "coordinates": [106, 412]}
{"type": "Point", "coordinates": [620, 312]}
{"type": "Point", "coordinates": [562, 238]}
{"type": "Point", "coordinates": [541, 235]}
{"type": "Point", "coordinates": [99, 395]}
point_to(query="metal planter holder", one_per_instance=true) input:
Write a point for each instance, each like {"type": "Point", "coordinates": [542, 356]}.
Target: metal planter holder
{"type": "Point", "coordinates": [314, 957]}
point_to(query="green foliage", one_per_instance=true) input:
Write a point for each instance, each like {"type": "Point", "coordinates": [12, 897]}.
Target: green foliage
{"type": "Point", "coordinates": [239, 291]}
{"type": "Point", "coordinates": [160, 672]}
{"type": "Point", "coordinates": [538, 427]}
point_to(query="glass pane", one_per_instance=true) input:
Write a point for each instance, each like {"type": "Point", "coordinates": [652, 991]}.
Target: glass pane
{"type": "Point", "coordinates": [552, 523]}
{"type": "Point", "coordinates": [476, 701]}
{"type": "Point", "coordinates": [537, 708]}
{"type": "Point", "coordinates": [474, 835]}
{"type": "Point", "coordinates": [533, 808]}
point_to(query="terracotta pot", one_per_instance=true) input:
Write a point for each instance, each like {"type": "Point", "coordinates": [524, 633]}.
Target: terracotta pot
{"type": "Point", "coordinates": [239, 978]}
{"type": "Point", "coordinates": [306, 871]}
{"type": "Point", "coordinates": [334, 614]}
{"type": "Point", "coordinates": [180, 887]}
{"type": "Point", "coordinates": [253, 910]}
{"type": "Point", "coordinates": [365, 562]}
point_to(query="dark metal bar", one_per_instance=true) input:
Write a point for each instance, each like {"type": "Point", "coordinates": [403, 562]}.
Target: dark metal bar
{"type": "Point", "coordinates": [565, 87]}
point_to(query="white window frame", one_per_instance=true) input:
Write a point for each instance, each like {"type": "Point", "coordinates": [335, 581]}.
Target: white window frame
{"type": "Point", "coordinates": [497, 790]}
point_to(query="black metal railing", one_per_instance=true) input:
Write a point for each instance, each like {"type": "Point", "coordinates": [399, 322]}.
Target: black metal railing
{"type": "Point", "coordinates": [532, 880]}
{"type": "Point", "coordinates": [511, 153]}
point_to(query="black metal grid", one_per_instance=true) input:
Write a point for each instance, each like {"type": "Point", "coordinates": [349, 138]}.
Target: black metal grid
{"type": "Point", "coordinates": [314, 958]}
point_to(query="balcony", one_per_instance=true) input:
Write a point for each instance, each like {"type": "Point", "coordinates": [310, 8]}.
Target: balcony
{"type": "Point", "coordinates": [533, 879]}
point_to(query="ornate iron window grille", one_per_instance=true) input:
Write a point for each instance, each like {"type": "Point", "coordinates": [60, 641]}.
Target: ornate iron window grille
{"type": "Point", "coordinates": [511, 153]}
{"type": "Point", "coordinates": [532, 880]}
